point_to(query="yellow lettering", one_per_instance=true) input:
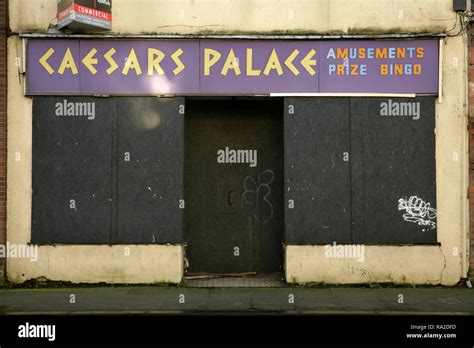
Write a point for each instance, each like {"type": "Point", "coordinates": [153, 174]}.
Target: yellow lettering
{"type": "Point", "coordinates": [273, 64]}
{"type": "Point", "coordinates": [342, 53]}
{"type": "Point", "coordinates": [420, 52]}
{"type": "Point", "coordinates": [44, 61]}
{"type": "Point", "coordinates": [68, 63]}
{"type": "Point", "coordinates": [211, 57]}
{"type": "Point", "coordinates": [417, 69]}
{"type": "Point", "coordinates": [108, 57]}
{"type": "Point", "coordinates": [289, 62]}
{"type": "Point", "coordinates": [89, 61]}
{"type": "Point", "coordinates": [401, 53]}
{"type": "Point", "coordinates": [132, 63]}
{"type": "Point", "coordinates": [250, 70]}
{"type": "Point", "coordinates": [380, 53]}
{"type": "Point", "coordinates": [355, 70]}
{"type": "Point", "coordinates": [308, 63]}
{"type": "Point", "coordinates": [179, 64]}
{"type": "Point", "coordinates": [154, 59]}
{"type": "Point", "coordinates": [231, 64]}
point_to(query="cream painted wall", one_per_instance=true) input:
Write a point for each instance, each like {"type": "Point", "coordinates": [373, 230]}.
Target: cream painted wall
{"type": "Point", "coordinates": [140, 264]}
{"type": "Point", "coordinates": [382, 264]}
{"type": "Point", "coordinates": [420, 264]}
{"type": "Point", "coordinates": [413, 264]}
{"type": "Point", "coordinates": [79, 264]}
{"type": "Point", "coordinates": [237, 16]}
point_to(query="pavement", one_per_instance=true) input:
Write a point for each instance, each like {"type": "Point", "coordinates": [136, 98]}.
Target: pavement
{"type": "Point", "coordinates": [299, 300]}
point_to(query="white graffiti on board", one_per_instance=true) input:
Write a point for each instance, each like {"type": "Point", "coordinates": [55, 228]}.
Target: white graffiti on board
{"type": "Point", "coordinates": [418, 211]}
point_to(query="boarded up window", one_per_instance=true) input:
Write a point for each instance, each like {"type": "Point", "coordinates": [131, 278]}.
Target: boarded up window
{"type": "Point", "coordinates": [107, 170]}
{"type": "Point", "coordinates": [150, 180]}
{"type": "Point", "coordinates": [317, 170]}
{"type": "Point", "coordinates": [360, 170]}
{"type": "Point", "coordinates": [393, 170]}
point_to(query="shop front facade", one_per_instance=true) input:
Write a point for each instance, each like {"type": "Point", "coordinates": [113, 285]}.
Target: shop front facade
{"type": "Point", "coordinates": [240, 139]}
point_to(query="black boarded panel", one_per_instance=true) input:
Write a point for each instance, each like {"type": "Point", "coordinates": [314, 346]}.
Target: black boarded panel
{"type": "Point", "coordinates": [71, 161]}
{"type": "Point", "coordinates": [393, 158]}
{"type": "Point", "coordinates": [317, 179]}
{"type": "Point", "coordinates": [150, 185]}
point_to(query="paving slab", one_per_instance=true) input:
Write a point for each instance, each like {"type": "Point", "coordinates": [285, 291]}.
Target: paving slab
{"type": "Point", "coordinates": [162, 300]}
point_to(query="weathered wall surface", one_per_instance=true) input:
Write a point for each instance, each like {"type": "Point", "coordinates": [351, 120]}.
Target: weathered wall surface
{"type": "Point", "coordinates": [471, 149]}
{"type": "Point", "coordinates": [113, 264]}
{"type": "Point", "coordinates": [421, 264]}
{"type": "Point", "coordinates": [3, 130]}
{"type": "Point", "coordinates": [95, 264]}
{"type": "Point", "coordinates": [442, 264]}
{"type": "Point", "coordinates": [388, 264]}
{"type": "Point", "coordinates": [251, 16]}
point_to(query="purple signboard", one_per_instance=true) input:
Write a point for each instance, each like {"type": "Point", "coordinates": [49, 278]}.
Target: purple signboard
{"type": "Point", "coordinates": [263, 67]}
{"type": "Point", "coordinates": [112, 67]}
{"type": "Point", "coordinates": [153, 67]}
{"type": "Point", "coordinates": [409, 66]}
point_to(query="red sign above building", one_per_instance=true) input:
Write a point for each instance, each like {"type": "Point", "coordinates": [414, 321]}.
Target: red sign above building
{"type": "Point", "coordinates": [85, 15]}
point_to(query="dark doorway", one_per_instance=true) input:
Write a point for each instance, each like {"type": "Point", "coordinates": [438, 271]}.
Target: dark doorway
{"type": "Point", "coordinates": [234, 211]}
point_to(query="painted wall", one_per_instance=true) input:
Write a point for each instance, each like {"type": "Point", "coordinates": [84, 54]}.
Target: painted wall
{"type": "Point", "coordinates": [413, 264]}
{"type": "Point", "coordinates": [254, 16]}
{"type": "Point", "coordinates": [421, 264]}
{"type": "Point", "coordinates": [471, 148]}
{"type": "Point", "coordinates": [118, 264]}
{"type": "Point", "coordinates": [3, 132]}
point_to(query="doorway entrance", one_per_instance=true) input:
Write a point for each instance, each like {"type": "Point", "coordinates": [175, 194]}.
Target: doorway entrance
{"type": "Point", "coordinates": [233, 185]}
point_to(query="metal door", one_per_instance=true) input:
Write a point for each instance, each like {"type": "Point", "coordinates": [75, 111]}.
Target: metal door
{"type": "Point", "coordinates": [234, 211]}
